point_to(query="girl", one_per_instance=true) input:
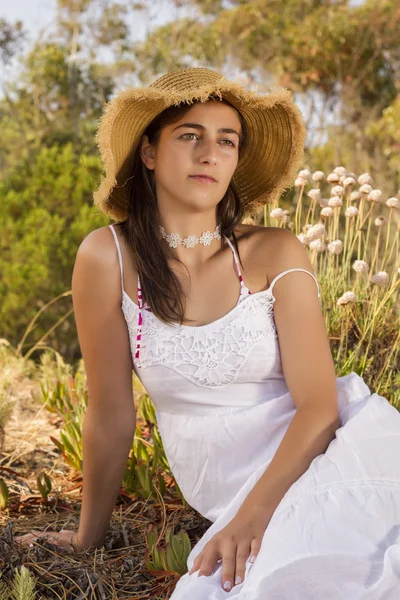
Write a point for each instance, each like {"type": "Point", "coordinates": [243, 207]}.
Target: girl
{"type": "Point", "coordinates": [297, 470]}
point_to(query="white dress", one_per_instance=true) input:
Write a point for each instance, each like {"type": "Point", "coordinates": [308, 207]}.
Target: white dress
{"type": "Point", "coordinates": [223, 407]}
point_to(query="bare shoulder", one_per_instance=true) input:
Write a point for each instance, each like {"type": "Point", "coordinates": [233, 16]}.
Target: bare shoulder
{"type": "Point", "coordinates": [286, 251]}
{"type": "Point", "coordinates": [96, 264]}
{"type": "Point", "coordinates": [276, 248]}
{"type": "Point", "coordinates": [98, 245]}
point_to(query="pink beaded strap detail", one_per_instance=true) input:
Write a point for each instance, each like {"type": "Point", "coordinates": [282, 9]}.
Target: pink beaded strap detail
{"type": "Point", "coordinates": [139, 325]}
{"type": "Point", "coordinates": [140, 321]}
{"type": "Point", "coordinates": [242, 284]}
{"type": "Point", "coordinates": [138, 337]}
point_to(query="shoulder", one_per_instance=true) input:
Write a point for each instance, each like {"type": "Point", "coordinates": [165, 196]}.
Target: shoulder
{"type": "Point", "coordinates": [280, 241]}
{"type": "Point", "coordinates": [276, 248]}
{"type": "Point", "coordinates": [286, 251]}
{"type": "Point", "coordinates": [98, 241]}
{"type": "Point", "coordinates": [96, 260]}
{"type": "Point", "coordinates": [98, 248]}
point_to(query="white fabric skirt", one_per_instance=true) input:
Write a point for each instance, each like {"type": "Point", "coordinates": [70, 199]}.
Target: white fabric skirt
{"type": "Point", "coordinates": [336, 533]}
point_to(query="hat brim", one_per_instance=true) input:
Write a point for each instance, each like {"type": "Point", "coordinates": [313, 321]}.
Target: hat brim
{"type": "Point", "coordinates": [274, 148]}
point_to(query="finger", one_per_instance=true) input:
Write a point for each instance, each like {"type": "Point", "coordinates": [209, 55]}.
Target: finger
{"type": "Point", "coordinates": [255, 549]}
{"type": "Point", "coordinates": [242, 555]}
{"type": "Point", "coordinates": [228, 568]}
{"type": "Point", "coordinates": [209, 562]}
{"type": "Point", "coordinates": [24, 539]}
{"type": "Point", "coordinates": [196, 563]}
{"type": "Point", "coordinates": [26, 543]}
{"type": "Point", "coordinates": [25, 536]}
{"type": "Point", "coordinates": [28, 538]}
{"type": "Point", "coordinates": [22, 542]}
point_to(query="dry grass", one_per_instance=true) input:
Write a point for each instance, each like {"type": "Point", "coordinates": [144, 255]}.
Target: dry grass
{"type": "Point", "coordinates": [118, 569]}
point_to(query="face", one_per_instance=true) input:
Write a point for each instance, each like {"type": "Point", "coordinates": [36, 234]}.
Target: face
{"type": "Point", "coordinates": [205, 141]}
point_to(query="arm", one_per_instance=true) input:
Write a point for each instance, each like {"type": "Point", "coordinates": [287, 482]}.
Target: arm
{"type": "Point", "coordinates": [309, 372]}
{"type": "Point", "coordinates": [110, 420]}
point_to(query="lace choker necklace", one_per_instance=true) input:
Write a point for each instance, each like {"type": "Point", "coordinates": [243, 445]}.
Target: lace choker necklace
{"type": "Point", "coordinates": [174, 239]}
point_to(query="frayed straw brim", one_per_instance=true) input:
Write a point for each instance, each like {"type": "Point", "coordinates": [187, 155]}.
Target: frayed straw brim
{"type": "Point", "coordinates": [267, 167]}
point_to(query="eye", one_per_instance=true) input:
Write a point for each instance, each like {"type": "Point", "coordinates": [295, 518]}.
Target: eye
{"type": "Point", "coordinates": [225, 140]}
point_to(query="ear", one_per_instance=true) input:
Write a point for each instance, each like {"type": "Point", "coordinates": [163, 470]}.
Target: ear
{"type": "Point", "coordinates": [147, 153]}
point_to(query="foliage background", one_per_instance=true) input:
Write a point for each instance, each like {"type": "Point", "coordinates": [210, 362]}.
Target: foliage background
{"type": "Point", "coordinates": [341, 61]}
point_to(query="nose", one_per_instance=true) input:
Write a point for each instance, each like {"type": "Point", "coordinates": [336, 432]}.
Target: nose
{"type": "Point", "coordinates": [208, 152]}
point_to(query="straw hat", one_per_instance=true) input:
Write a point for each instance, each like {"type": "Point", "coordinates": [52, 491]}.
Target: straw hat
{"type": "Point", "coordinates": [274, 151]}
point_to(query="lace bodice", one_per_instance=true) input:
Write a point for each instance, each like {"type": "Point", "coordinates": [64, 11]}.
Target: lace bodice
{"type": "Point", "coordinates": [242, 346]}
{"type": "Point", "coordinates": [209, 355]}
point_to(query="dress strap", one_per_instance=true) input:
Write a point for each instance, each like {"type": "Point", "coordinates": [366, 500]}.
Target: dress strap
{"type": "Point", "coordinates": [289, 271]}
{"type": "Point", "coordinates": [140, 303]}
{"type": "Point", "coordinates": [119, 256]}
{"type": "Point", "coordinates": [242, 284]}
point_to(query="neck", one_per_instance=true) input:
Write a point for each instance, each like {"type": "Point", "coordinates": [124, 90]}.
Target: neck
{"type": "Point", "coordinates": [186, 226]}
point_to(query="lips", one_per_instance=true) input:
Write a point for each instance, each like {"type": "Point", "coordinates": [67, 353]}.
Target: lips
{"type": "Point", "coordinates": [203, 178]}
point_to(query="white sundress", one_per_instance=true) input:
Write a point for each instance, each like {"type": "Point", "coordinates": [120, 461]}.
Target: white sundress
{"type": "Point", "coordinates": [223, 407]}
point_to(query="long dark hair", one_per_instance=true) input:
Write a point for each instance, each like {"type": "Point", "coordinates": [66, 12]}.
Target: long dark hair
{"type": "Point", "coordinates": [161, 288]}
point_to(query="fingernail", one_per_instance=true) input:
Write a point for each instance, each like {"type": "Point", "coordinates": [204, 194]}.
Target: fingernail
{"type": "Point", "coordinates": [227, 585]}
{"type": "Point", "coordinates": [238, 580]}
{"type": "Point", "coordinates": [252, 559]}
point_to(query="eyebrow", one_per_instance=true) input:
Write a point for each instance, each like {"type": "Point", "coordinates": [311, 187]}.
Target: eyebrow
{"type": "Point", "coordinates": [198, 126]}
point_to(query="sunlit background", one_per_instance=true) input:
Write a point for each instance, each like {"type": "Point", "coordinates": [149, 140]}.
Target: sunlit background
{"type": "Point", "coordinates": [60, 62]}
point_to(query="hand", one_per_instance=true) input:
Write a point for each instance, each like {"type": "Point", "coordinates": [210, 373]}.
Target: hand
{"type": "Point", "coordinates": [64, 538]}
{"type": "Point", "coordinates": [233, 544]}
